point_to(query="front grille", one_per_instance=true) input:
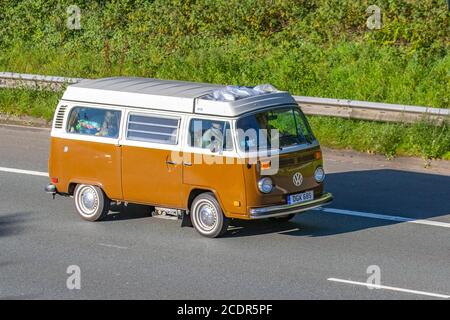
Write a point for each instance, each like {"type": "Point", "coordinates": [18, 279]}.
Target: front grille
{"type": "Point", "coordinates": [286, 162]}
{"type": "Point", "coordinates": [306, 158]}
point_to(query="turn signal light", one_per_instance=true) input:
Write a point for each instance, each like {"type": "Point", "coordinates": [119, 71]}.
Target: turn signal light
{"type": "Point", "coordinates": [54, 180]}
{"type": "Point", "coordinates": [265, 165]}
{"type": "Point", "coordinates": [318, 155]}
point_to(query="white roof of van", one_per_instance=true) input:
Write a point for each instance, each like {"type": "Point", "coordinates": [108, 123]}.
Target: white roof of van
{"type": "Point", "coordinates": [171, 95]}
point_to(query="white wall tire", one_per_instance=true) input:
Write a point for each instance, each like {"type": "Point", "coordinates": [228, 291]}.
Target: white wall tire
{"type": "Point", "coordinates": [91, 202]}
{"type": "Point", "coordinates": [207, 216]}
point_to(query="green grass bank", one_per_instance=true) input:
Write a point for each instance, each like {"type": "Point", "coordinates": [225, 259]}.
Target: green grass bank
{"type": "Point", "coordinates": [309, 47]}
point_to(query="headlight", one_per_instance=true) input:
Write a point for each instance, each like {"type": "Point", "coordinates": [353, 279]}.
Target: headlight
{"type": "Point", "coordinates": [265, 185]}
{"type": "Point", "coordinates": [319, 174]}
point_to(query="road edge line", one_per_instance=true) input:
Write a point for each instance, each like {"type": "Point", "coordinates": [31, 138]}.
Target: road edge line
{"type": "Point", "coordinates": [21, 171]}
{"type": "Point", "coordinates": [375, 286]}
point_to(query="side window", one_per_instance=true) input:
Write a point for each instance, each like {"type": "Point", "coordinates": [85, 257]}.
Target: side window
{"type": "Point", "coordinates": [210, 134]}
{"type": "Point", "coordinates": [152, 128]}
{"type": "Point", "coordinates": [94, 122]}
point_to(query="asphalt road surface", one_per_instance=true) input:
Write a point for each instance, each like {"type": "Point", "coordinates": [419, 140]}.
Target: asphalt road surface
{"type": "Point", "coordinates": [391, 218]}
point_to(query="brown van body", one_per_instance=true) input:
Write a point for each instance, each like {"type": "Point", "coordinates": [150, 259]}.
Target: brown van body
{"type": "Point", "coordinates": [141, 175]}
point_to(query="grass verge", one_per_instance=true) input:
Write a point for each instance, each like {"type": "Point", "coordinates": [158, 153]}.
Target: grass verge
{"type": "Point", "coordinates": [320, 48]}
{"type": "Point", "coordinates": [424, 139]}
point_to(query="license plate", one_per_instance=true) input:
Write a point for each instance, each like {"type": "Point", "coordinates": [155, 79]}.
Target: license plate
{"type": "Point", "coordinates": [300, 197]}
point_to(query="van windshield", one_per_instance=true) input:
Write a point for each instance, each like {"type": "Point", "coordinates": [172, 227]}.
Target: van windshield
{"type": "Point", "coordinates": [274, 128]}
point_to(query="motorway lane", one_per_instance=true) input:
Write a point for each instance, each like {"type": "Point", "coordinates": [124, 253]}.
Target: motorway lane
{"type": "Point", "coordinates": [132, 255]}
{"type": "Point", "coordinates": [24, 149]}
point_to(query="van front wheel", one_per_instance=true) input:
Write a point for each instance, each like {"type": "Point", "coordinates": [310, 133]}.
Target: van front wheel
{"type": "Point", "coordinates": [91, 202]}
{"type": "Point", "coordinates": [207, 216]}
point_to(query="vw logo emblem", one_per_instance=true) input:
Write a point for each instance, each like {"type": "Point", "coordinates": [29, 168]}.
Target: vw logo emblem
{"type": "Point", "coordinates": [297, 179]}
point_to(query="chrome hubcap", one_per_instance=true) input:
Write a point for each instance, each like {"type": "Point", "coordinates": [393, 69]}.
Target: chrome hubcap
{"type": "Point", "coordinates": [88, 200]}
{"type": "Point", "coordinates": [207, 216]}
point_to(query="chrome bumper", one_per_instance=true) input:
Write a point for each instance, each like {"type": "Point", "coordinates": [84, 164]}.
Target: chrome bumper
{"type": "Point", "coordinates": [284, 209]}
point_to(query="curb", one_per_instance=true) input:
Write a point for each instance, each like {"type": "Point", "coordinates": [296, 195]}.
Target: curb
{"type": "Point", "coordinates": [416, 164]}
{"type": "Point", "coordinates": [26, 121]}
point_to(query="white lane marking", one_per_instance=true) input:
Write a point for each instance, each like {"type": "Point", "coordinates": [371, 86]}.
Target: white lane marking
{"type": "Point", "coordinates": [29, 172]}
{"type": "Point", "coordinates": [112, 246]}
{"type": "Point", "coordinates": [289, 230]}
{"type": "Point", "coordinates": [384, 217]}
{"type": "Point", "coordinates": [376, 286]}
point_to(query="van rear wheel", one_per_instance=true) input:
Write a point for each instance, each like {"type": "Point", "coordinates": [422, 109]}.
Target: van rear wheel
{"type": "Point", "coordinates": [207, 216]}
{"type": "Point", "coordinates": [91, 202]}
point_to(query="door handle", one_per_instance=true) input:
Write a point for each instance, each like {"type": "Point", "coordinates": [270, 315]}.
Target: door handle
{"type": "Point", "coordinates": [187, 164]}
{"type": "Point", "coordinates": [171, 162]}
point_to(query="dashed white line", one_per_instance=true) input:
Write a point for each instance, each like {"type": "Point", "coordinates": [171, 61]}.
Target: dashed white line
{"type": "Point", "coordinates": [29, 172]}
{"type": "Point", "coordinates": [385, 217]}
{"type": "Point", "coordinates": [375, 286]}
{"type": "Point", "coordinates": [112, 246]}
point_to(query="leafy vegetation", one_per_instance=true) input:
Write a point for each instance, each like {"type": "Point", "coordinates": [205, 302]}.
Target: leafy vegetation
{"type": "Point", "coordinates": [309, 47]}
{"type": "Point", "coordinates": [36, 103]}
{"type": "Point", "coordinates": [424, 138]}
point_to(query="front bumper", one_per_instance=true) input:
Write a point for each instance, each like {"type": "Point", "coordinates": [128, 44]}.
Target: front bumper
{"type": "Point", "coordinates": [284, 209]}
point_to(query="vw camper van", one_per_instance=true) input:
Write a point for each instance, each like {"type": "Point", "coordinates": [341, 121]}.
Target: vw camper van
{"type": "Point", "coordinates": [202, 153]}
